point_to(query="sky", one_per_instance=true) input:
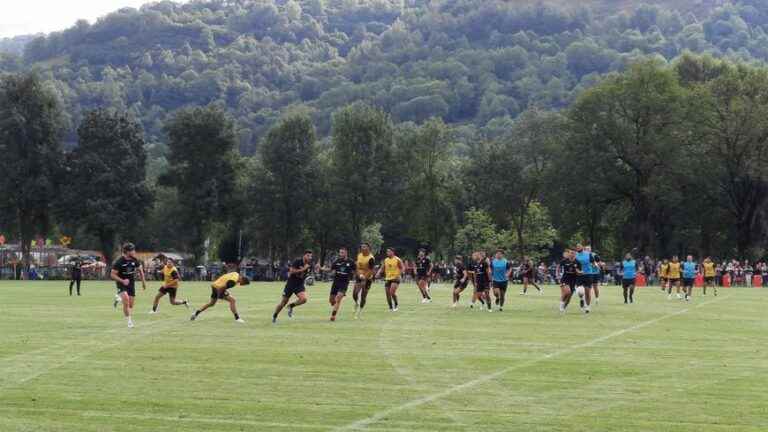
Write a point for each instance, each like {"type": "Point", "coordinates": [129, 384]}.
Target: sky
{"type": "Point", "coordinates": [21, 17]}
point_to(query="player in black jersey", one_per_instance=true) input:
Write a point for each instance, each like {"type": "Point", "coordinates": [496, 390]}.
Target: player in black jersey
{"type": "Point", "coordinates": [423, 272]}
{"type": "Point", "coordinates": [570, 269]}
{"type": "Point", "coordinates": [482, 278]}
{"type": "Point", "coordinates": [462, 278]}
{"type": "Point", "coordinates": [297, 274]}
{"type": "Point", "coordinates": [124, 272]}
{"type": "Point", "coordinates": [343, 269]}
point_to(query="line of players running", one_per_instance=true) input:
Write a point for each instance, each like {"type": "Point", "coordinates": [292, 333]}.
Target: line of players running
{"type": "Point", "coordinates": [578, 271]}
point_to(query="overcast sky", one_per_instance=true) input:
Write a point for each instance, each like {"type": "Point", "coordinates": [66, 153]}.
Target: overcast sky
{"type": "Point", "coordinates": [20, 17]}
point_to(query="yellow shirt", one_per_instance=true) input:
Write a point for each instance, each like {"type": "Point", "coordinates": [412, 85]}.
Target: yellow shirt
{"type": "Point", "coordinates": [392, 268]}
{"type": "Point", "coordinates": [168, 280]}
{"type": "Point", "coordinates": [709, 269]}
{"type": "Point", "coordinates": [226, 281]}
{"type": "Point", "coordinates": [674, 270]}
{"type": "Point", "coordinates": [365, 266]}
{"type": "Point", "coordinates": [664, 270]}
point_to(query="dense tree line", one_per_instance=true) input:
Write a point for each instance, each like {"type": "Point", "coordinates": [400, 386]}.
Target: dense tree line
{"type": "Point", "coordinates": [663, 158]}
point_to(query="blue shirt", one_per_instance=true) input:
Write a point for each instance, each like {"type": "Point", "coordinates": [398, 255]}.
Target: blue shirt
{"type": "Point", "coordinates": [689, 270]}
{"type": "Point", "coordinates": [630, 269]}
{"type": "Point", "coordinates": [585, 258]}
{"type": "Point", "coordinates": [499, 269]}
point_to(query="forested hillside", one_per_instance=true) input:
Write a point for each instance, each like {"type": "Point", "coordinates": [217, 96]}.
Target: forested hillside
{"type": "Point", "coordinates": [477, 63]}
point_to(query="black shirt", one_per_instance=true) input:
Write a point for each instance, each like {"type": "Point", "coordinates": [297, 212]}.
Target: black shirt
{"type": "Point", "coordinates": [459, 269]}
{"type": "Point", "coordinates": [297, 279]}
{"type": "Point", "coordinates": [126, 268]}
{"type": "Point", "coordinates": [77, 269]}
{"type": "Point", "coordinates": [343, 269]}
{"type": "Point", "coordinates": [569, 267]}
{"type": "Point", "coordinates": [481, 271]}
{"type": "Point", "coordinates": [422, 266]}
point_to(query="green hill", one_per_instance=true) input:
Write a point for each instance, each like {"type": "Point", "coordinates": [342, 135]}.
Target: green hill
{"type": "Point", "coordinates": [475, 63]}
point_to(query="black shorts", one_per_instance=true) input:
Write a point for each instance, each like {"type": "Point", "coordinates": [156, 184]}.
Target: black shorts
{"type": "Point", "coordinates": [291, 289]}
{"type": "Point", "coordinates": [339, 287]}
{"type": "Point", "coordinates": [422, 277]}
{"type": "Point", "coordinates": [481, 286]}
{"type": "Point", "coordinates": [217, 294]}
{"type": "Point", "coordinates": [130, 289]}
{"type": "Point", "coordinates": [674, 280]}
{"type": "Point", "coordinates": [688, 282]}
{"type": "Point", "coordinates": [365, 282]}
{"type": "Point", "coordinates": [460, 285]}
{"type": "Point", "coordinates": [626, 283]}
{"type": "Point", "coordinates": [585, 280]}
{"type": "Point", "coordinates": [501, 285]}
{"type": "Point", "coordinates": [570, 280]}
{"type": "Point", "coordinates": [388, 283]}
{"type": "Point", "coordinates": [709, 279]}
{"type": "Point", "coordinates": [171, 291]}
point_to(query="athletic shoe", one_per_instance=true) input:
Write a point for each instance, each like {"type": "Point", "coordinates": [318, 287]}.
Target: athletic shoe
{"type": "Point", "coordinates": [423, 301]}
{"type": "Point", "coordinates": [429, 300]}
{"type": "Point", "coordinates": [152, 312]}
{"type": "Point", "coordinates": [395, 309]}
{"type": "Point", "coordinates": [130, 323]}
{"type": "Point", "coordinates": [193, 317]}
{"type": "Point", "coordinates": [501, 309]}
{"type": "Point", "coordinates": [274, 319]}
{"type": "Point", "coordinates": [454, 305]}
{"type": "Point", "coordinates": [357, 306]}
{"type": "Point", "coordinates": [333, 318]}
{"type": "Point", "coordinates": [679, 296]}
{"type": "Point", "coordinates": [240, 320]}
{"type": "Point", "coordinates": [490, 310]}
{"type": "Point", "coordinates": [117, 300]}
{"type": "Point", "coordinates": [290, 311]}
{"type": "Point", "coordinates": [522, 292]}
{"type": "Point", "coordinates": [687, 298]}
{"type": "Point", "coordinates": [597, 300]}
{"type": "Point", "coordinates": [669, 297]}
{"type": "Point", "coordinates": [541, 292]}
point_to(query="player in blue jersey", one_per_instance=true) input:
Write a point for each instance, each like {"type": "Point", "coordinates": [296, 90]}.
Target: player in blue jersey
{"type": "Point", "coordinates": [500, 272]}
{"type": "Point", "coordinates": [628, 275]}
{"type": "Point", "coordinates": [586, 260]}
{"type": "Point", "coordinates": [594, 271]}
{"type": "Point", "coordinates": [690, 269]}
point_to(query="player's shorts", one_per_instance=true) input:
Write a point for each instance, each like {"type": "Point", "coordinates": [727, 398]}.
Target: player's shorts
{"type": "Point", "coordinates": [626, 283]}
{"type": "Point", "coordinates": [481, 286]}
{"type": "Point", "coordinates": [709, 279]}
{"type": "Point", "coordinates": [461, 285]}
{"type": "Point", "coordinates": [584, 280]}
{"type": "Point", "coordinates": [171, 291]}
{"type": "Point", "coordinates": [339, 287]}
{"type": "Point", "coordinates": [365, 281]}
{"type": "Point", "coordinates": [388, 283]}
{"type": "Point", "coordinates": [291, 289]}
{"type": "Point", "coordinates": [422, 277]}
{"type": "Point", "coordinates": [130, 289]}
{"type": "Point", "coordinates": [528, 275]}
{"type": "Point", "coordinates": [663, 280]}
{"type": "Point", "coordinates": [217, 294]}
{"type": "Point", "coordinates": [570, 280]}
{"type": "Point", "coordinates": [501, 285]}
{"type": "Point", "coordinates": [688, 282]}
{"type": "Point", "coordinates": [673, 280]}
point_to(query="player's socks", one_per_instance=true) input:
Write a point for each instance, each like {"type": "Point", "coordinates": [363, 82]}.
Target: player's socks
{"type": "Point", "coordinates": [274, 318]}
{"type": "Point", "coordinates": [290, 310]}
{"type": "Point", "coordinates": [237, 317]}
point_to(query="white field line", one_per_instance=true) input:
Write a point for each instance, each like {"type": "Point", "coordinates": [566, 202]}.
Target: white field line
{"type": "Point", "coordinates": [364, 423]}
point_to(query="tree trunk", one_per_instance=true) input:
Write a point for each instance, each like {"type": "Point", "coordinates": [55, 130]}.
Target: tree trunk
{"type": "Point", "coordinates": [107, 242]}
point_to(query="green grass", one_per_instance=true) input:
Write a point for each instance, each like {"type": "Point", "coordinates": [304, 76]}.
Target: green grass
{"type": "Point", "coordinates": [70, 364]}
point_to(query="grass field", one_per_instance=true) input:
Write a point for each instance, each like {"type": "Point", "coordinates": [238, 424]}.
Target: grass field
{"type": "Point", "coordinates": [70, 364]}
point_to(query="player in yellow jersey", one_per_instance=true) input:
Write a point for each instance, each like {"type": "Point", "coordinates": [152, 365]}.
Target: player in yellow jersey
{"type": "Point", "coordinates": [220, 291]}
{"type": "Point", "coordinates": [709, 275]}
{"type": "Point", "coordinates": [170, 286]}
{"type": "Point", "coordinates": [664, 274]}
{"type": "Point", "coordinates": [365, 264]}
{"type": "Point", "coordinates": [673, 275]}
{"type": "Point", "coordinates": [393, 271]}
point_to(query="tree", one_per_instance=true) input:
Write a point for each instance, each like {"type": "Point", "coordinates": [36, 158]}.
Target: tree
{"type": "Point", "coordinates": [203, 169]}
{"type": "Point", "coordinates": [363, 154]}
{"type": "Point", "coordinates": [537, 230]}
{"type": "Point", "coordinates": [284, 190]}
{"type": "Point", "coordinates": [479, 233]}
{"type": "Point", "coordinates": [31, 162]}
{"type": "Point", "coordinates": [106, 191]}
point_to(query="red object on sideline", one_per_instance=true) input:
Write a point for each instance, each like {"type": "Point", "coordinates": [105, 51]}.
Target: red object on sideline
{"type": "Point", "coordinates": [726, 281]}
{"type": "Point", "coordinates": [699, 281]}
{"type": "Point", "coordinates": [757, 281]}
{"type": "Point", "coordinates": [640, 280]}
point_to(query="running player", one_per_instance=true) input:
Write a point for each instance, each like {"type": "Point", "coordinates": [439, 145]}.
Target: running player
{"type": "Point", "coordinates": [690, 269]}
{"type": "Point", "coordinates": [586, 259]}
{"type": "Point", "coordinates": [124, 274]}
{"type": "Point", "coordinates": [709, 275]}
{"type": "Point", "coordinates": [482, 280]}
{"type": "Point", "coordinates": [297, 274]}
{"type": "Point", "coordinates": [393, 269]}
{"type": "Point", "coordinates": [664, 274]}
{"type": "Point", "coordinates": [570, 269]}
{"type": "Point", "coordinates": [673, 276]}
{"type": "Point", "coordinates": [594, 272]}
{"type": "Point", "coordinates": [628, 276]}
{"type": "Point", "coordinates": [220, 291]}
{"type": "Point", "coordinates": [529, 271]}
{"type": "Point", "coordinates": [462, 278]}
{"type": "Point", "coordinates": [365, 265]}
{"type": "Point", "coordinates": [170, 286]}
{"type": "Point", "coordinates": [500, 272]}
{"type": "Point", "coordinates": [343, 269]}
{"type": "Point", "coordinates": [424, 269]}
